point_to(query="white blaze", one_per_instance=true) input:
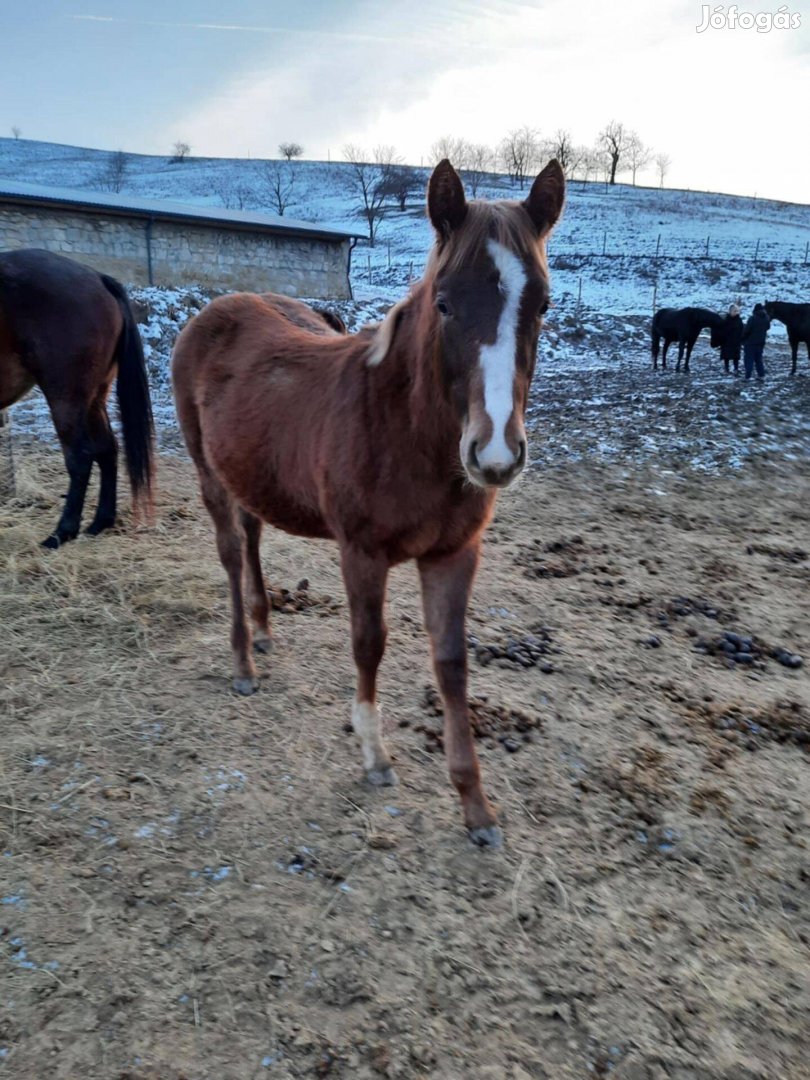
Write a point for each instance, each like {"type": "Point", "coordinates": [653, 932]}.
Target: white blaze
{"type": "Point", "coordinates": [498, 360]}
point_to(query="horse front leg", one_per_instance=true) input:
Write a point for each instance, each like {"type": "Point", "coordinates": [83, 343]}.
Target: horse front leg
{"type": "Point", "coordinates": [681, 349]}
{"type": "Point", "coordinates": [690, 344]}
{"type": "Point", "coordinates": [365, 578]}
{"type": "Point", "coordinates": [446, 586]}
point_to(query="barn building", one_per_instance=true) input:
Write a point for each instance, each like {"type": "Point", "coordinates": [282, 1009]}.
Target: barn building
{"type": "Point", "coordinates": [149, 241]}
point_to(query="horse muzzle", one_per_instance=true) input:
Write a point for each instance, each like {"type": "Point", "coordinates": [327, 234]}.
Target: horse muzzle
{"type": "Point", "coordinates": [494, 472]}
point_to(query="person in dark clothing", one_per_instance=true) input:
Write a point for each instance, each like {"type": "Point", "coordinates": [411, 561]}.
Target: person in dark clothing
{"type": "Point", "coordinates": [732, 338]}
{"type": "Point", "coordinates": [753, 340]}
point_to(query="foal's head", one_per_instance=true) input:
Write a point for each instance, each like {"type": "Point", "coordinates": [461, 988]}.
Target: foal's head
{"type": "Point", "coordinates": [489, 283]}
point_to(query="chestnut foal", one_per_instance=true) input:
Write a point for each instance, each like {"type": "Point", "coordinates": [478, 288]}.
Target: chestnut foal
{"type": "Point", "coordinates": [392, 441]}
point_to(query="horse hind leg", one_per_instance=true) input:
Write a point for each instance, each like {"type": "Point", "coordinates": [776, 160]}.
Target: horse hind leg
{"type": "Point", "coordinates": [230, 536]}
{"type": "Point", "coordinates": [105, 451]}
{"type": "Point", "coordinates": [258, 603]}
{"type": "Point", "coordinates": [72, 428]}
{"type": "Point", "coordinates": [365, 578]}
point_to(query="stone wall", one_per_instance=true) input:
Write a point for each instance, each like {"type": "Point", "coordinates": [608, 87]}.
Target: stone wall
{"type": "Point", "coordinates": [182, 253]}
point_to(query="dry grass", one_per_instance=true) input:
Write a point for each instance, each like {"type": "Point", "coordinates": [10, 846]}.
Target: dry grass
{"type": "Point", "coordinates": [193, 884]}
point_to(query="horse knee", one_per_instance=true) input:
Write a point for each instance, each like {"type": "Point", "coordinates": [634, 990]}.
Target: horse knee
{"type": "Point", "coordinates": [368, 645]}
{"type": "Point", "coordinates": [451, 673]}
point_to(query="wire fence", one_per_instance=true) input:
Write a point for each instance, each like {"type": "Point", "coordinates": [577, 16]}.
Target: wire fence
{"type": "Point", "coordinates": [721, 248]}
{"type": "Point", "coordinates": [383, 265]}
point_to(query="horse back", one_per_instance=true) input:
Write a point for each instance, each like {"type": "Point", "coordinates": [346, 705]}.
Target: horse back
{"type": "Point", "coordinates": [261, 385]}
{"type": "Point", "coordinates": [796, 317]}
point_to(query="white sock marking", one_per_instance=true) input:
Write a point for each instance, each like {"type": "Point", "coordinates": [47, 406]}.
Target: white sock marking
{"type": "Point", "coordinates": [498, 360]}
{"type": "Point", "coordinates": [367, 725]}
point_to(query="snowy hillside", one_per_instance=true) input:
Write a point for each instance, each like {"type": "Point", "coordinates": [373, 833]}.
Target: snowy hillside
{"type": "Point", "coordinates": [605, 246]}
{"type": "Point", "coordinates": [614, 253]}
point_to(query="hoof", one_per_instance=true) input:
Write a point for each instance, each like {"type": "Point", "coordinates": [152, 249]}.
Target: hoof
{"type": "Point", "coordinates": [486, 836]}
{"type": "Point", "coordinates": [382, 777]}
{"type": "Point", "coordinates": [246, 686]}
{"type": "Point", "coordinates": [96, 527]}
{"type": "Point", "coordinates": [57, 539]}
{"type": "Point", "coordinates": [263, 645]}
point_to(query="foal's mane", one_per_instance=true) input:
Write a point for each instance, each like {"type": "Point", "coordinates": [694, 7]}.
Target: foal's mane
{"type": "Point", "coordinates": [506, 222]}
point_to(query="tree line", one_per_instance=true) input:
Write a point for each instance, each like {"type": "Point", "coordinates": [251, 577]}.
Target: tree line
{"type": "Point", "coordinates": [380, 178]}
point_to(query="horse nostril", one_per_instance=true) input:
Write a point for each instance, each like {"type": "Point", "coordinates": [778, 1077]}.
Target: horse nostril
{"type": "Point", "coordinates": [521, 458]}
{"type": "Point", "coordinates": [474, 455]}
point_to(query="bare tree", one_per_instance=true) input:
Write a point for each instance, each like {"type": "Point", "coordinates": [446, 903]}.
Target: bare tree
{"type": "Point", "coordinates": [16, 131]}
{"type": "Point", "coordinates": [234, 193]}
{"type": "Point", "coordinates": [112, 173]}
{"type": "Point", "coordinates": [368, 179]}
{"type": "Point", "coordinates": [519, 151]}
{"type": "Point", "coordinates": [638, 154]}
{"type": "Point", "coordinates": [584, 163]}
{"type": "Point", "coordinates": [480, 162]}
{"type": "Point", "coordinates": [614, 141]}
{"type": "Point", "coordinates": [561, 147]}
{"type": "Point", "coordinates": [457, 151]}
{"type": "Point", "coordinates": [278, 183]}
{"type": "Point", "coordinates": [290, 150]}
{"type": "Point", "coordinates": [401, 181]}
{"type": "Point", "coordinates": [662, 164]}
{"type": "Point", "coordinates": [180, 151]}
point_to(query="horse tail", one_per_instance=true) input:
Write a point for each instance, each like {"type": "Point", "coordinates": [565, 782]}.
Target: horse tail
{"type": "Point", "coordinates": [134, 405]}
{"type": "Point", "coordinates": [656, 338]}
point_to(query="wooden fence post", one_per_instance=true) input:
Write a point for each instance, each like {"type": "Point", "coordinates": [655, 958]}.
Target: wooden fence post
{"type": "Point", "coordinates": [8, 485]}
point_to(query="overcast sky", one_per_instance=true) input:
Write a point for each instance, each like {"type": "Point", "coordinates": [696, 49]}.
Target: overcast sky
{"type": "Point", "coordinates": [235, 78]}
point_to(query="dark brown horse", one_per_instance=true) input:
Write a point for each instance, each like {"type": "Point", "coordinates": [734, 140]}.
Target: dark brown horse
{"type": "Point", "coordinates": [393, 442]}
{"type": "Point", "coordinates": [69, 330]}
{"type": "Point", "coordinates": [796, 318]}
{"type": "Point", "coordinates": [684, 326]}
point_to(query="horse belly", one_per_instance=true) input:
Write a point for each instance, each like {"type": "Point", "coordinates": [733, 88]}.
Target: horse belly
{"type": "Point", "coordinates": [15, 380]}
{"type": "Point", "coordinates": [258, 489]}
{"type": "Point", "coordinates": [280, 510]}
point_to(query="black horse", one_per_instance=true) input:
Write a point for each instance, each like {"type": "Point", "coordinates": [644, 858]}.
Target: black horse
{"type": "Point", "coordinates": [684, 326]}
{"type": "Point", "coordinates": [796, 318]}
{"type": "Point", "coordinates": [70, 331]}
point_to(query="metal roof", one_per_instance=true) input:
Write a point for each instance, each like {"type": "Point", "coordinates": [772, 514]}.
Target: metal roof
{"type": "Point", "coordinates": [101, 202]}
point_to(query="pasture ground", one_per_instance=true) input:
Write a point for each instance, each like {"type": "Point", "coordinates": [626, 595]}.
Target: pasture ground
{"type": "Point", "coordinates": [199, 886]}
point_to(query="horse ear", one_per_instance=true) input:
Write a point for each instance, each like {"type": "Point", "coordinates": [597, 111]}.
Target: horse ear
{"type": "Point", "coordinates": [447, 204]}
{"type": "Point", "coordinates": [545, 201]}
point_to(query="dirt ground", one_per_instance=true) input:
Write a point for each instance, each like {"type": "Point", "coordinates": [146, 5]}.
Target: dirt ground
{"type": "Point", "coordinates": [199, 886]}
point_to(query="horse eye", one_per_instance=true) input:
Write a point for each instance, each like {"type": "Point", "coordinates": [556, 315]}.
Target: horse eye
{"type": "Point", "coordinates": [441, 305]}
